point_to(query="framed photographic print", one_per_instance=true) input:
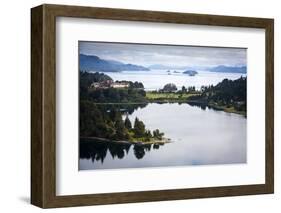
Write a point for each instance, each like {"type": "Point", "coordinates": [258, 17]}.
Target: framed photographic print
{"type": "Point", "coordinates": [136, 106]}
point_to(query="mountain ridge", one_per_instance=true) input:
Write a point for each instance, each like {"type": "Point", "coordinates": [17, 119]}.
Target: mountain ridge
{"type": "Point", "coordinates": [219, 68]}
{"type": "Point", "coordinates": [95, 63]}
{"type": "Point", "coordinates": [230, 69]}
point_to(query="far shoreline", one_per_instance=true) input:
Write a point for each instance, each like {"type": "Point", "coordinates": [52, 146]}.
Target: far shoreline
{"type": "Point", "coordinates": [190, 102]}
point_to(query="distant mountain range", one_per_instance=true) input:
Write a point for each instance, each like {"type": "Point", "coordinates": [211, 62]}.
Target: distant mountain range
{"type": "Point", "coordinates": [242, 69]}
{"type": "Point", "coordinates": [94, 63]}
{"type": "Point", "coordinates": [221, 68]}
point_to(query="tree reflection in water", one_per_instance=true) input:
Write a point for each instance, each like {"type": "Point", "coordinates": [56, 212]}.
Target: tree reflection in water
{"type": "Point", "coordinates": [98, 150]}
{"type": "Point", "coordinates": [202, 106]}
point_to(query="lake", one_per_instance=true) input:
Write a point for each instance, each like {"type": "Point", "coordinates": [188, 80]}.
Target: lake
{"type": "Point", "coordinates": [156, 79]}
{"type": "Point", "coordinates": [200, 136]}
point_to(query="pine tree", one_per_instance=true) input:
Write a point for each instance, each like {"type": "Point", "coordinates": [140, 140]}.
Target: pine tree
{"type": "Point", "coordinates": [139, 128]}
{"type": "Point", "coordinates": [157, 134]}
{"type": "Point", "coordinates": [148, 135]}
{"type": "Point", "coordinates": [128, 124]}
{"type": "Point", "coordinates": [121, 131]}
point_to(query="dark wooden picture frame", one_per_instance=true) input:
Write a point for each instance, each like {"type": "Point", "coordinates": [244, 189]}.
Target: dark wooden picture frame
{"type": "Point", "coordinates": [43, 105]}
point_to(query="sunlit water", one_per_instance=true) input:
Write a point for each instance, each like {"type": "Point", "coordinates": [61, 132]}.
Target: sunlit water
{"type": "Point", "coordinates": [199, 137]}
{"type": "Point", "coordinates": [156, 79]}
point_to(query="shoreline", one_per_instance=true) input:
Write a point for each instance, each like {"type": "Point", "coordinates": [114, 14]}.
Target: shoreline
{"type": "Point", "coordinates": [228, 109]}
{"type": "Point", "coordinates": [216, 107]}
{"type": "Point", "coordinates": [163, 141]}
{"type": "Point", "coordinates": [198, 103]}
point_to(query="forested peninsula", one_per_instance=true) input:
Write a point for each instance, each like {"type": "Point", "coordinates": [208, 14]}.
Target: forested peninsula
{"type": "Point", "coordinates": [104, 109]}
{"type": "Point", "coordinates": [105, 105]}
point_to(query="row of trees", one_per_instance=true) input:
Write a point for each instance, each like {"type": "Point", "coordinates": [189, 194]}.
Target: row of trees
{"type": "Point", "coordinates": [140, 131]}
{"type": "Point", "coordinates": [168, 88]}
{"type": "Point", "coordinates": [113, 95]}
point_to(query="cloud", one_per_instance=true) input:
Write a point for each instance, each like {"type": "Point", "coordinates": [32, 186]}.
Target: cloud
{"type": "Point", "coordinates": [172, 55]}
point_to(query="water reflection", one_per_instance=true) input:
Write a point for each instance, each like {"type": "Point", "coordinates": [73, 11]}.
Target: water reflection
{"type": "Point", "coordinates": [200, 136]}
{"type": "Point", "coordinates": [200, 105]}
{"type": "Point", "coordinates": [122, 107]}
{"type": "Point", "coordinates": [98, 150]}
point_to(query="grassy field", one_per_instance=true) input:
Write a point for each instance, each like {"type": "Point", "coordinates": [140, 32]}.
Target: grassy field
{"type": "Point", "coordinates": [176, 97]}
{"type": "Point", "coordinates": [156, 96]}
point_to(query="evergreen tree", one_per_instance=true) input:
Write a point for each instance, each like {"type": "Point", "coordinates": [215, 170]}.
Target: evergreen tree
{"type": "Point", "coordinates": [128, 124]}
{"type": "Point", "coordinates": [157, 134]}
{"type": "Point", "coordinates": [115, 115]}
{"type": "Point", "coordinates": [148, 135]}
{"type": "Point", "coordinates": [139, 128]}
{"type": "Point", "coordinates": [121, 131]}
{"type": "Point", "coordinates": [183, 89]}
{"type": "Point", "coordinates": [170, 88]}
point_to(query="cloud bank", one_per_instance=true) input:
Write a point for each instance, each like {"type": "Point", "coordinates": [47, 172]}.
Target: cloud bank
{"type": "Point", "coordinates": [170, 55]}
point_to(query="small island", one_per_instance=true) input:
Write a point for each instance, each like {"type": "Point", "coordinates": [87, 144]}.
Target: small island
{"type": "Point", "coordinates": [190, 72]}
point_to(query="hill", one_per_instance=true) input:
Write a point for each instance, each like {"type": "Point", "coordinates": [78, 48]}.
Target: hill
{"type": "Point", "coordinates": [94, 63]}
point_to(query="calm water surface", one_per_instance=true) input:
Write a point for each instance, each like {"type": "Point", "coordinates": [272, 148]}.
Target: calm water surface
{"type": "Point", "coordinates": [199, 137]}
{"type": "Point", "coordinates": [156, 79]}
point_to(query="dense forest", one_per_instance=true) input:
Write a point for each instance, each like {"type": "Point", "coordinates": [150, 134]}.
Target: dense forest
{"type": "Point", "coordinates": [104, 112]}
{"type": "Point", "coordinates": [134, 93]}
{"type": "Point", "coordinates": [229, 94]}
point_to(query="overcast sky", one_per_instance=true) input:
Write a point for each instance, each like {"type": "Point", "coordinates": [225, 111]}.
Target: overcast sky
{"type": "Point", "coordinates": [165, 54]}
